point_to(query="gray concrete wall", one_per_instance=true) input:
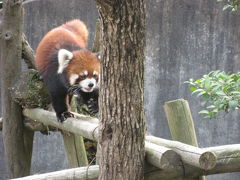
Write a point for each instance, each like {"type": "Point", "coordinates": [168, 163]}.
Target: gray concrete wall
{"type": "Point", "coordinates": [185, 39]}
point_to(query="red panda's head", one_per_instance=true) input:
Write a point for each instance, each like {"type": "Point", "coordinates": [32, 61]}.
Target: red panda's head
{"type": "Point", "coordinates": [82, 68]}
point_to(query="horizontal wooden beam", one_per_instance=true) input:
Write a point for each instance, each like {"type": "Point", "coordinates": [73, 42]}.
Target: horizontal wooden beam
{"type": "Point", "coordinates": [83, 126]}
{"type": "Point", "coordinates": [82, 173]}
{"type": "Point", "coordinates": [33, 126]}
{"type": "Point", "coordinates": [190, 154]}
{"type": "Point", "coordinates": [222, 159]}
{"type": "Point", "coordinates": [87, 127]}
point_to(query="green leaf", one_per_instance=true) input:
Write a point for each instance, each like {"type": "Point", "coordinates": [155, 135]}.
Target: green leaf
{"type": "Point", "coordinates": [233, 104]}
{"type": "Point", "coordinates": [211, 107]}
{"type": "Point", "coordinates": [218, 90]}
{"type": "Point", "coordinates": [207, 83]}
{"type": "Point", "coordinates": [197, 90]}
{"type": "Point", "coordinates": [235, 92]}
{"type": "Point", "coordinates": [202, 93]}
{"type": "Point", "coordinates": [203, 103]}
{"type": "Point", "coordinates": [227, 6]}
{"type": "Point", "coordinates": [192, 89]}
{"type": "Point", "coordinates": [220, 93]}
{"type": "Point", "coordinates": [204, 112]}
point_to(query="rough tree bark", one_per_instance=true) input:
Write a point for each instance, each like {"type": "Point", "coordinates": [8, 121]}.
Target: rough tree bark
{"type": "Point", "coordinates": [122, 125]}
{"type": "Point", "coordinates": [17, 141]}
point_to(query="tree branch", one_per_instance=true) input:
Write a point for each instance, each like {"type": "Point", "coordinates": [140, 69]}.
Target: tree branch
{"type": "Point", "coordinates": [27, 53]}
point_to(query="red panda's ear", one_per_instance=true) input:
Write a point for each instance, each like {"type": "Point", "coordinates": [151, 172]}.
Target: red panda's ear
{"type": "Point", "coordinates": [64, 57]}
{"type": "Point", "coordinates": [97, 54]}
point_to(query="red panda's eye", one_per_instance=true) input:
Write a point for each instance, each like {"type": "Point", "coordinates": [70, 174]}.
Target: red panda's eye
{"type": "Point", "coordinates": [83, 76]}
{"type": "Point", "coordinates": [95, 76]}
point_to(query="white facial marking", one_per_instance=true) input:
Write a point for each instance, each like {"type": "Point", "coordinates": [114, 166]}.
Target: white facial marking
{"type": "Point", "coordinates": [64, 57]}
{"type": "Point", "coordinates": [73, 79]}
{"type": "Point", "coordinates": [88, 84]}
{"type": "Point", "coordinates": [97, 84]}
{"type": "Point", "coordinates": [85, 72]}
{"type": "Point", "coordinates": [95, 73]}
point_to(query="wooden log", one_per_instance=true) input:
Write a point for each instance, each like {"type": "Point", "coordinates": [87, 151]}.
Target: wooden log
{"type": "Point", "coordinates": [82, 126]}
{"type": "Point", "coordinates": [37, 126]}
{"type": "Point", "coordinates": [18, 160]}
{"type": "Point", "coordinates": [161, 157]}
{"type": "Point", "coordinates": [27, 53]}
{"type": "Point", "coordinates": [228, 157]}
{"type": "Point", "coordinates": [82, 173]}
{"type": "Point", "coordinates": [34, 126]}
{"type": "Point", "coordinates": [190, 155]}
{"type": "Point", "coordinates": [181, 123]}
{"type": "Point", "coordinates": [75, 150]}
{"type": "Point", "coordinates": [228, 160]}
{"type": "Point", "coordinates": [86, 127]}
{"type": "Point", "coordinates": [153, 173]}
{"type": "Point", "coordinates": [74, 146]}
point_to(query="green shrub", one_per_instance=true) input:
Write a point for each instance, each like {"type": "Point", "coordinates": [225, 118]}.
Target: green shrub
{"type": "Point", "coordinates": [219, 91]}
{"type": "Point", "coordinates": [232, 5]}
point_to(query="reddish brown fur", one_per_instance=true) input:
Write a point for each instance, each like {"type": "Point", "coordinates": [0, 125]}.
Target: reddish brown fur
{"type": "Point", "coordinates": [72, 37]}
{"type": "Point", "coordinates": [81, 62]}
{"type": "Point", "coordinates": [73, 32]}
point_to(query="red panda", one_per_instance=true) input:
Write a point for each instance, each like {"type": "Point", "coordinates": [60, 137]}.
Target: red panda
{"type": "Point", "coordinates": [67, 66]}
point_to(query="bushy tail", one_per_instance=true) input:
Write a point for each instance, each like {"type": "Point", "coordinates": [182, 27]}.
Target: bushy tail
{"type": "Point", "coordinates": [77, 27]}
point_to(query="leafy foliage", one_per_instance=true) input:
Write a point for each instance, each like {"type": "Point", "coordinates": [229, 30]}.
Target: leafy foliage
{"type": "Point", "coordinates": [218, 91]}
{"type": "Point", "coordinates": [232, 5]}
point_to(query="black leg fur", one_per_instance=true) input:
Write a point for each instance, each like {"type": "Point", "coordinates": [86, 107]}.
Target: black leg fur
{"type": "Point", "coordinates": [60, 106]}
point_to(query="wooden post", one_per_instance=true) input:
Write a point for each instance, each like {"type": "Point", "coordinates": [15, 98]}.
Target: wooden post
{"type": "Point", "coordinates": [75, 149]}
{"type": "Point", "coordinates": [17, 140]}
{"type": "Point", "coordinates": [180, 123]}
{"type": "Point", "coordinates": [74, 146]}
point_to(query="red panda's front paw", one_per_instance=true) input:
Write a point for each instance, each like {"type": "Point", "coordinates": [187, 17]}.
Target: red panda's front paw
{"type": "Point", "coordinates": [62, 117]}
{"type": "Point", "coordinates": [92, 106]}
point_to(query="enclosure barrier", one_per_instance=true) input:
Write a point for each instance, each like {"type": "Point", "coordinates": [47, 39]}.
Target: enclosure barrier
{"type": "Point", "coordinates": [82, 173]}
{"type": "Point", "coordinates": [167, 159]}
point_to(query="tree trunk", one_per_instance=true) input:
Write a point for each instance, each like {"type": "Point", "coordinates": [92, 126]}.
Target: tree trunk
{"type": "Point", "coordinates": [17, 141]}
{"type": "Point", "coordinates": [122, 126]}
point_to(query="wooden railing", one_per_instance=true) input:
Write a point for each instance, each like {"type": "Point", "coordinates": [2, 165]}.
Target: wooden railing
{"type": "Point", "coordinates": [165, 159]}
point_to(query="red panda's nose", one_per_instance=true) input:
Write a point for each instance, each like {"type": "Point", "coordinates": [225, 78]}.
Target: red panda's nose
{"type": "Point", "coordinates": [90, 85]}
